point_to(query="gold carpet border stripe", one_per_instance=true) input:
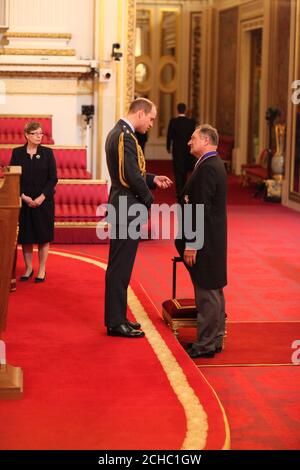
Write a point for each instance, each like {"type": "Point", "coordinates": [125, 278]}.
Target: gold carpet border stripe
{"type": "Point", "coordinates": [226, 445]}
{"type": "Point", "coordinates": [248, 365]}
{"type": "Point", "coordinates": [196, 417]}
{"type": "Point", "coordinates": [263, 321]}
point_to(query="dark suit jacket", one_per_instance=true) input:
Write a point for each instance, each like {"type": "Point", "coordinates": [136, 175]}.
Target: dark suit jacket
{"type": "Point", "coordinates": [138, 190]}
{"type": "Point", "coordinates": [180, 131]}
{"type": "Point", "coordinates": [208, 185]}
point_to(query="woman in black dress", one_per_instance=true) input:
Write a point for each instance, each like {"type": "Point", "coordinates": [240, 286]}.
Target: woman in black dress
{"type": "Point", "coordinates": [37, 187]}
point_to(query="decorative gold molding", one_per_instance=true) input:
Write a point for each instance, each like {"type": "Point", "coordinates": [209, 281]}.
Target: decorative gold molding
{"type": "Point", "coordinates": [85, 86]}
{"type": "Point", "coordinates": [248, 25]}
{"type": "Point", "coordinates": [65, 86]}
{"type": "Point", "coordinates": [34, 74]}
{"type": "Point", "coordinates": [171, 86]}
{"type": "Point", "coordinates": [86, 181]}
{"type": "Point", "coordinates": [252, 9]}
{"type": "Point", "coordinates": [130, 56]}
{"type": "Point", "coordinates": [52, 52]}
{"type": "Point", "coordinates": [145, 86]}
{"type": "Point", "coordinates": [38, 35]}
{"type": "Point", "coordinates": [93, 225]}
{"type": "Point", "coordinates": [195, 64]}
{"type": "Point", "coordinates": [25, 116]}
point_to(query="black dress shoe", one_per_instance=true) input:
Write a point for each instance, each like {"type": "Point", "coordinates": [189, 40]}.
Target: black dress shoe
{"type": "Point", "coordinates": [134, 325]}
{"type": "Point", "coordinates": [125, 331]}
{"type": "Point", "coordinates": [40, 279]}
{"type": "Point", "coordinates": [25, 278]}
{"type": "Point", "coordinates": [194, 354]}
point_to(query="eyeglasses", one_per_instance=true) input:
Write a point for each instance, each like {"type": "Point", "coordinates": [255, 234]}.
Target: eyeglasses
{"type": "Point", "coordinates": [36, 133]}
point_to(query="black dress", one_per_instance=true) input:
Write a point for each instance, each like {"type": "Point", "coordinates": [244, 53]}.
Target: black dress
{"type": "Point", "coordinates": [36, 225]}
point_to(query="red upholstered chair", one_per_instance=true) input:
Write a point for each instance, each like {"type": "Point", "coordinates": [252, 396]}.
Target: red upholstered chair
{"type": "Point", "coordinates": [77, 200]}
{"type": "Point", "coordinates": [225, 147]}
{"type": "Point", "coordinates": [12, 128]}
{"type": "Point", "coordinates": [71, 162]}
{"type": "Point", "coordinates": [256, 172]}
{"type": "Point", "coordinates": [76, 203]}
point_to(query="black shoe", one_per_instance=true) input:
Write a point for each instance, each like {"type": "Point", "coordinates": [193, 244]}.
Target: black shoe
{"type": "Point", "coordinates": [40, 279]}
{"type": "Point", "coordinates": [134, 325]}
{"type": "Point", "coordinates": [125, 331]}
{"type": "Point", "coordinates": [194, 354]}
{"type": "Point", "coordinates": [25, 278]}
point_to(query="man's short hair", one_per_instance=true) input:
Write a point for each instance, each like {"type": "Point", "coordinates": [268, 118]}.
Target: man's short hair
{"type": "Point", "coordinates": [181, 108]}
{"type": "Point", "coordinates": [212, 133]}
{"type": "Point", "coordinates": [141, 104]}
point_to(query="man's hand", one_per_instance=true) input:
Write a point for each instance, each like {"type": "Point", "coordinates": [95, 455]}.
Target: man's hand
{"type": "Point", "coordinates": [163, 182]}
{"type": "Point", "coordinates": [39, 200]}
{"type": "Point", "coordinates": [189, 256]}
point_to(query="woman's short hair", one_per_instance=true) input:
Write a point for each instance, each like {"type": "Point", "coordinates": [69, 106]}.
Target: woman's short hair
{"type": "Point", "coordinates": [141, 104]}
{"type": "Point", "coordinates": [210, 131]}
{"type": "Point", "coordinates": [32, 126]}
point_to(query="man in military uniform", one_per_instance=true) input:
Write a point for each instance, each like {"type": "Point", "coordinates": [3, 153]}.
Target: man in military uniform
{"type": "Point", "coordinates": [126, 166]}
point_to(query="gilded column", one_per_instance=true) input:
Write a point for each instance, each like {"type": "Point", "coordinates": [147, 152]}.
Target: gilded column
{"type": "Point", "coordinates": [114, 94]}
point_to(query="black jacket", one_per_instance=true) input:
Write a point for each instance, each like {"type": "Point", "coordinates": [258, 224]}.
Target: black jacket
{"type": "Point", "coordinates": [38, 174]}
{"type": "Point", "coordinates": [129, 183]}
{"type": "Point", "coordinates": [180, 131]}
{"type": "Point", "coordinates": [208, 185]}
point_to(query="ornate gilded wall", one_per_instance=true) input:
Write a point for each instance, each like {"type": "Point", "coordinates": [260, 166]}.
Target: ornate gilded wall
{"type": "Point", "coordinates": [280, 71]}
{"type": "Point", "coordinates": [226, 70]}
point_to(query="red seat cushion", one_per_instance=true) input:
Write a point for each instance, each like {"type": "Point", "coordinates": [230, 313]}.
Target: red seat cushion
{"type": "Point", "coordinates": [71, 163]}
{"type": "Point", "coordinates": [79, 202]}
{"type": "Point", "coordinates": [259, 172]}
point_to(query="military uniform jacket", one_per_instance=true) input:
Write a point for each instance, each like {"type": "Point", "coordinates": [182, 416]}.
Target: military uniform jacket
{"type": "Point", "coordinates": [208, 185]}
{"type": "Point", "coordinates": [126, 166]}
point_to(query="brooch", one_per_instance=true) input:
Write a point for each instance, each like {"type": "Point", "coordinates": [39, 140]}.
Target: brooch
{"type": "Point", "coordinates": [37, 156]}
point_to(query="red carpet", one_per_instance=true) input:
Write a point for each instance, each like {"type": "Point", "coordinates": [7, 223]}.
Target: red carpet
{"type": "Point", "coordinates": [85, 390]}
{"type": "Point", "coordinates": [251, 343]}
{"type": "Point", "coordinates": [263, 285]}
{"type": "Point", "coordinates": [262, 404]}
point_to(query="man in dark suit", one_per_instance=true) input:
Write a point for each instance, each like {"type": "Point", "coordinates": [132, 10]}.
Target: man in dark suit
{"type": "Point", "coordinates": [179, 133]}
{"type": "Point", "coordinates": [207, 264]}
{"type": "Point", "coordinates": [129, 183]}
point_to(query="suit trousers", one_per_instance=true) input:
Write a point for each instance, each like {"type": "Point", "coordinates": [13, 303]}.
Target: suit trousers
{"type": "Point", "coordinates": [210, 305]}
{"type": "Point", "coordinates": [122, 254]}
{"type": "Point", "coordinates": [180, 174]}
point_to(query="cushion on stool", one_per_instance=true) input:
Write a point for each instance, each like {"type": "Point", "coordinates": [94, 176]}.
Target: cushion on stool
{"type": "Point", "coordinates": [180, 308]}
